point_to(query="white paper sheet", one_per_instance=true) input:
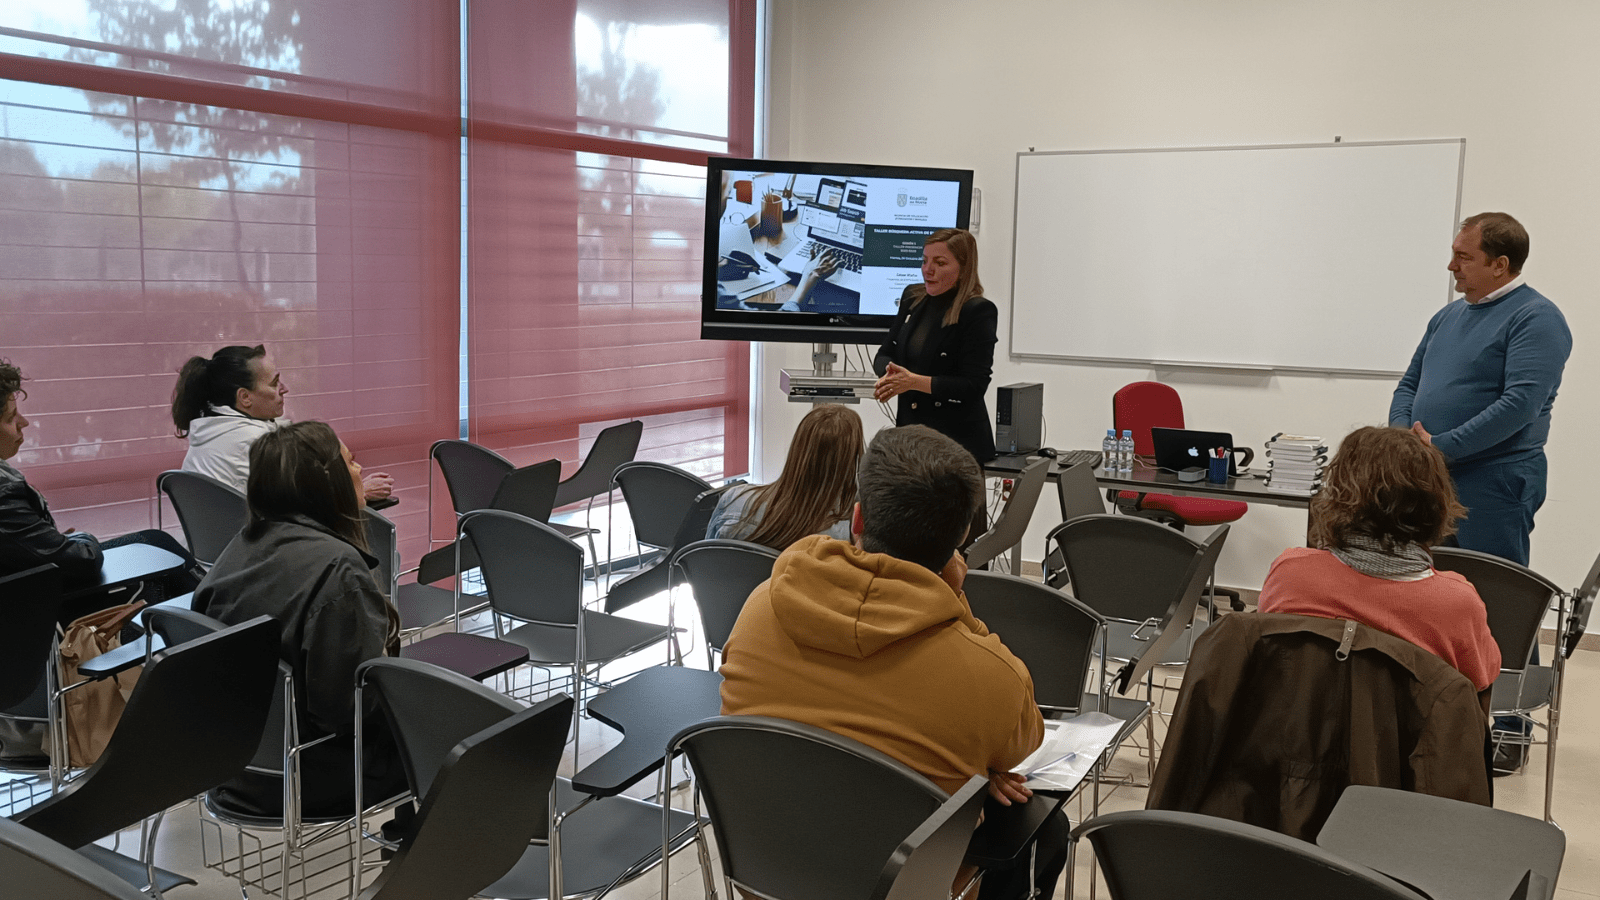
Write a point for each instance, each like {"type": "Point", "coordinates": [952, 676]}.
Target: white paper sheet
{"type": "Point", "coordinates": [1070, 749]}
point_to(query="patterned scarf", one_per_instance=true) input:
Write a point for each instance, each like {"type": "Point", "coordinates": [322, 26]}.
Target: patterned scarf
{"type": "Point", "coordinates": [1367, 556]}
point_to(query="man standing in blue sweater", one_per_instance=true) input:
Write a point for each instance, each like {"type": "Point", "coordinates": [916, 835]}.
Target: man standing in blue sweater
{"type": "Point", "coordinates": [1481, 385]}
{"type": "Point", "coordinates": [1480, 388]}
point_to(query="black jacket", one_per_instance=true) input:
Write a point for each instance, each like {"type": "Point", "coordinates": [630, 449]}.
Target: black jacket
{"type": "Point", "coordinates": [960, 362]}
{"type": "Point", "coordinates": [321, 590]}
{"type": "Point", "coordinates": [28, 534]}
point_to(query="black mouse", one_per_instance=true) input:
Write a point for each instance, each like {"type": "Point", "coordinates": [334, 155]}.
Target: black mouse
{"type": "Point", "coordinates": [1046, 451]}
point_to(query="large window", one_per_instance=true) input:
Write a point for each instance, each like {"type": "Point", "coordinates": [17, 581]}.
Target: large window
{"type": "Point", "coordinates": [588, 126]}
{"type": "Point", "coordinates": [184, 174]}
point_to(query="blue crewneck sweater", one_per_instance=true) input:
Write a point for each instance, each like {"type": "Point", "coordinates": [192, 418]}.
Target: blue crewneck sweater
{"type": "Point", "coordinates": [1484, 378]}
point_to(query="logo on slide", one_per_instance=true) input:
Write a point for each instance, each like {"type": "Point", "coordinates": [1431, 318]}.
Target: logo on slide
{"type": "Point", "coordinates": [900, 199]}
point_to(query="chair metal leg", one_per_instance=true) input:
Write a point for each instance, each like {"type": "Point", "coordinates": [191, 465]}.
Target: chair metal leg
{"type": "Point", "coordinates": [56, 716]}
{"type": "Point", "coordinates": [666, 834]}
{"type": "Point", "coordinates": [556, 818]}
{"type": "Point", "coordinates": [1150, 726]}
{"type": "Point", "coordinates": [148, 851]}
{"type": "Point", "coordinates": [1554, 715]}
{"type": "Point", "coordinates": [704, 849]}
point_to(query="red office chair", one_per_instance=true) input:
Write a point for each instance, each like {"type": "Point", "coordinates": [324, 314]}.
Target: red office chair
{"type": "Point", "coordinates": [1137, 407]}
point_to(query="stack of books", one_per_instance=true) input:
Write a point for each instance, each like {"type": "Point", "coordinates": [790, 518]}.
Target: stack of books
{"type": "Point", "coordinates": [1295, 464]}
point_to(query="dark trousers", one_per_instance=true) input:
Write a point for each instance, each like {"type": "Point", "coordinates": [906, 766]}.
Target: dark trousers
{"type": "Point", "coordinates": [1050, 857]}
{"type": "Point", "coordinates": [1501, 499]}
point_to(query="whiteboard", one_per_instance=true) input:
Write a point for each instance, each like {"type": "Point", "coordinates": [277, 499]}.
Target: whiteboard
{"type": "Point", "coordinates": [1326, 257]}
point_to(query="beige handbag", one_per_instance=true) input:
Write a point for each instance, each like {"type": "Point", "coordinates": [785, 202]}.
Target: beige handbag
{"type": "Point", "coordinates": [92, 710]}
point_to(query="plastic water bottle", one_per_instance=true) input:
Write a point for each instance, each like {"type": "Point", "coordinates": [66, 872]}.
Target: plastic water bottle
{"type": "Point", "coordinates": [1109, 450]}
{"type": "Point", "coordinates": [1125, 453]}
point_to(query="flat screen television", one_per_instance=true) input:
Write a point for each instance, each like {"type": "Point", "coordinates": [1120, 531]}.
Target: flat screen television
{"type": "Point", "coordinates": [856, 229]}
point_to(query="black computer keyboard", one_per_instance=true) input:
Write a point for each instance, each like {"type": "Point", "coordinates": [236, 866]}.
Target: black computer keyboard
{"type": "Point", "coordinates": [1067, 458]}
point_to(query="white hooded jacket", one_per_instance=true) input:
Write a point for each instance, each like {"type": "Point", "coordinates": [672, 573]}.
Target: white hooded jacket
{"type": "Point", "coordinates": [219, 444]}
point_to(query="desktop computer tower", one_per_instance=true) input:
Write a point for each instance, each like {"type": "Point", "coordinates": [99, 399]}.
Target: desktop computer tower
{"type": "Point", "coordinates": [1018, 417]}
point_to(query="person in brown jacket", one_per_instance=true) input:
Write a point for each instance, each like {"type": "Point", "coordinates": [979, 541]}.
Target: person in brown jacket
{"type": "Point", "coordinates": [873, 638]}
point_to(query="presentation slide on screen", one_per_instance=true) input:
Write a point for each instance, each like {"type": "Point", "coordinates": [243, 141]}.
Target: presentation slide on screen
{"type": "Point", "coordinates": [859, 238]}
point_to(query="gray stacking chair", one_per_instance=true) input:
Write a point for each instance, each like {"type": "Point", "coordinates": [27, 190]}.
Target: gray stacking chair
{"type": "Point", "coordinates": [612, 447]}
{"type": "Point", "coordinates": [600, 843]}
{"type": "Point", "coordinates": [471, 474]}
{"type": "Point", "coordinates": [29, 661]}
{"type": "Point", "coordinates": [37, 867]}
{"type": "Point", "coordinates": [301, 836]}
{"type": "Point", "coordinates": [420, 605]}
{"type": "Point", "coordinates": [456, 850]}
{"type": "Point", "coordinates": [660, 498]}
{"type": "Point", "coordinates": [211, 512]}
{"type": "Point", "coordinates": [1079, 495]}
{"type": "Point", "coordinates": [527, 490]}
{"type": "Point", "coordinates": [33, 600]}
{"type": "Point", "coordinates": [534, 576]}
{"type": "Point", "coordinates": [1160, 854]}
{"type": "Point", "coordinates": [854, 805]}
{"type": "Point", "coordinates": [1056, 636]}
{"type": "Point", "coordinates": [1516, 599]}
{"type": "Point", "coordinates": [1444, 847]}
{"type": "Point", "coordinates": [1145, 578]}
{"type": "Point", "coordinates": [1007, 530]}
{"type": "Point", "coordinates": [193, 721]}
{"type": "Point", "coordinates": [722, 574]}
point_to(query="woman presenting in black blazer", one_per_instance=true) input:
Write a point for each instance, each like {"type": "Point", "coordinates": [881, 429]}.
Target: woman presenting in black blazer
{"type": "Point", "coordinates": [940, 353]}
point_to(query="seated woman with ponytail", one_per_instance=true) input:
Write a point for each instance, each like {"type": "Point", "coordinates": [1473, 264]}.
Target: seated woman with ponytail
{"type": "Point", "coordinates": [223, 404]}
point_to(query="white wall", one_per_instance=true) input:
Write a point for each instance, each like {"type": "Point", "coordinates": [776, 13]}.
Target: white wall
{"type": "Point", "coordinates": [969, 84]}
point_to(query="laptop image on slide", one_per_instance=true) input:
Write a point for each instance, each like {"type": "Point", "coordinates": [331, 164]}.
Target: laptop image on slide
{"type": "Point", "coordinates": [835, 220]}
{"type": "Point", "coordinates": [1179, 448]}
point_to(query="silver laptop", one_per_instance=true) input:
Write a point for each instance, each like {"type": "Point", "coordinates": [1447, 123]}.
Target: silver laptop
{"type": "Point", "coordinates": [836, 219]}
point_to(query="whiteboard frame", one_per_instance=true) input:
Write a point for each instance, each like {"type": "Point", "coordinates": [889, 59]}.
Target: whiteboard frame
{"type": "Point", "coordinates": [1461, 168]}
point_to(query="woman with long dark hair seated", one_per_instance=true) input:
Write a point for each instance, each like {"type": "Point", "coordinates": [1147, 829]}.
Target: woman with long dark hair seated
{"type": "Point", "coordinates": [814, 494]}
{"type": "Point", "coordinates": [1387, 498]}
{"type": "Point", "coordinates": [302, 559]}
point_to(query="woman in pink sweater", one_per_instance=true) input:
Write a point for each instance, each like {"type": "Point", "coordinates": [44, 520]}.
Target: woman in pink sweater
{"type": "Point", "coordinates": [1387, 498]}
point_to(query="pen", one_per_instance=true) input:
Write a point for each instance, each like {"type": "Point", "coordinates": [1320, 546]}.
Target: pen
{"type": "Point", "coordinates": [1060, 759]}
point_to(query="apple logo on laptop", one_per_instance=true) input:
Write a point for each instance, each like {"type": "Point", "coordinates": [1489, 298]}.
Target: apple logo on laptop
{"type": "Point", "coordinates": [1194, 452]}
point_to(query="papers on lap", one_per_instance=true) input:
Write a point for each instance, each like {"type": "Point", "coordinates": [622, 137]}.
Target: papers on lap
{"type": "Point", "coordinates": [1070, 749]}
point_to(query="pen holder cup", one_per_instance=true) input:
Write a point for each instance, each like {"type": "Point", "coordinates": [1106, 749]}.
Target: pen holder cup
{"type": "Point", "coordinates": [1218, 471]}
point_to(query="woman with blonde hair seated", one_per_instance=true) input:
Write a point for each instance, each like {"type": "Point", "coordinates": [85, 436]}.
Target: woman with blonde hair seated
{"type": "Point", "coordinates": [1386, 498]}
{"type": "Point", "coordinates": [814, 495]}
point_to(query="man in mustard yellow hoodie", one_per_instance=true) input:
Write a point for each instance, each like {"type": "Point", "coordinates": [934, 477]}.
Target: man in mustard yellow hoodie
{"type": "Point", "coordinates": [873, 638]}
